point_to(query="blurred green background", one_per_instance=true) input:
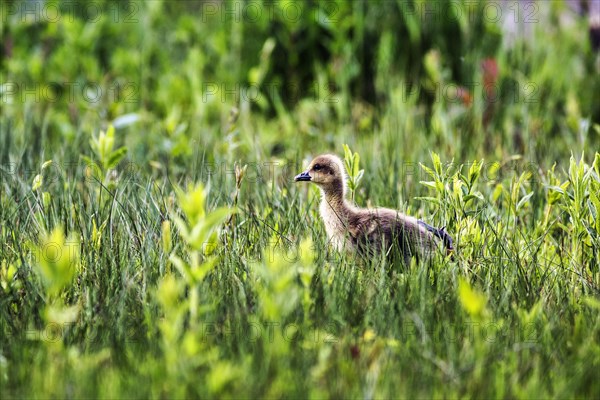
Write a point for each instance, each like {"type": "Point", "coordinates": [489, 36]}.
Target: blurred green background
{"type": "Point", "coordinates": [474, 78]}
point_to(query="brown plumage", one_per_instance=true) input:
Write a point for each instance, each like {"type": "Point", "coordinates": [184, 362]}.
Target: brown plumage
{"type": "Point", "coordinates": [368, 231]}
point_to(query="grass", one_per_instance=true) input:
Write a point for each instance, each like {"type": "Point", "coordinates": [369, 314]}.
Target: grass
{"type": "Point", "coordinates": [173, 256]}
{"type": "Point", "coordinates": [141, 310]}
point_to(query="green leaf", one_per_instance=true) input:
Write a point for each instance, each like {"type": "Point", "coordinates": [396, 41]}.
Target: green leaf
{"type": "Point", "coordinates": [166, 236]}
{"type": "Point", "coordinates": [430, 184]}
{"type": "Point", "coordinates": [56, 259]}
{"type": "Point", "coordinates": [596, 202]}
{"type": "Point", "coordinates": [347, 153]}
{"type": "Point", "coordinates": [46, 164]}
{"type": "Point", "coordinates": [476, 195]}
{"type": "Point", "coordinates": [201, 232]}
{"type": "Point", "coordinates": [183, 268]}
{"type": "Point", "coordinates": [37, 182]}
{"type": "Point", "coordinates": [87, 160]}
{"type": "Point", "coordinates": [474, 172]}
{"type": "Point", "coordinates": [115, 157]}
{"type": "Point", "coordinates": [430, 200]}
{"type": "Point", "coordinates": [181, 226]}
{"type": "Point", "coordinates": [524, 200]}
{"type": "Point", "coordinates": [472, 301]}
{"type": "Point", "coordinates": [428, 170]}
{"type": "Point", "coordinates": [437, 163]}
{"type": "Point", "coordinates": [360, 175]}
{"type": "Point", "coordinates": [110, 132]}
{"type": "Point", "coordinates": [498, 190]}
{"type": "Point", "coordinates": [203, 269]}
{"type": "Point", "coordinates": [557, 189]}
{"type": "Point", "coordinates": [192, 202]}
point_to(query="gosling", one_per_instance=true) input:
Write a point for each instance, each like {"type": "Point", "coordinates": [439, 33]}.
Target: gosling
{"type": "Point", "coordinates": [369, 231]}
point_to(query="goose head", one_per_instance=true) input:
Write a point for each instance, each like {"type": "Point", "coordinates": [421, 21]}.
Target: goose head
{"type": "Point", "coordinates": [326, 171]}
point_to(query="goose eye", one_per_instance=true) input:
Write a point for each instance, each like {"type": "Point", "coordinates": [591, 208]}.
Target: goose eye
{"type": "Point", "coordinates": [317, 167]}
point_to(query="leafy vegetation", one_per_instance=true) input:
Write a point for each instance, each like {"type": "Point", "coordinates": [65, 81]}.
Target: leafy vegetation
{"type": "Point", "coordinates": [154, 244]}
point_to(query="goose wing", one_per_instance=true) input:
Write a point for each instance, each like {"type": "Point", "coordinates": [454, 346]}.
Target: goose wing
{"type": "Point", "coordinates": [386, 229]}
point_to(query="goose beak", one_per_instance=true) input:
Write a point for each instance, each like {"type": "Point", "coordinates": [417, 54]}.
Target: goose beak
{"type": "Point", "coordinates": [302, 177]}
